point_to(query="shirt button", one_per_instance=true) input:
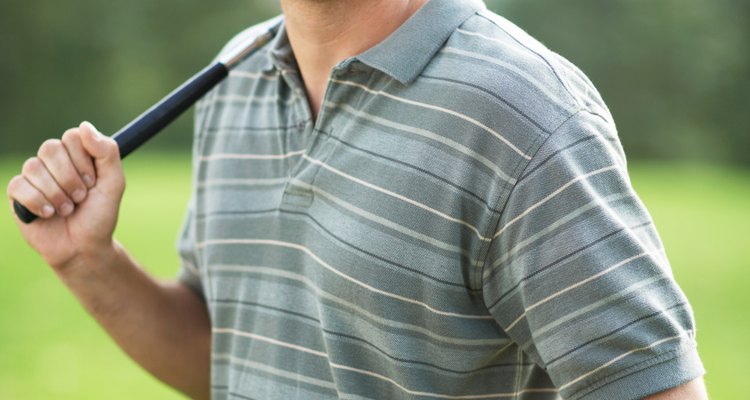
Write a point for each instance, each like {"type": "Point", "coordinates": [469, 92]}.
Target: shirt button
{"type": "Point", "coordinates": [301, 126]}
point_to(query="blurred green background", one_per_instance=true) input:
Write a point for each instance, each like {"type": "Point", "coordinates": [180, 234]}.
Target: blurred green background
{"type": "Point", "coordinates": [675, 74]}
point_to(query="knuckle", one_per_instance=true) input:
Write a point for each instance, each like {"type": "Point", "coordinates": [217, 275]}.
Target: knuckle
{"type": "Point", "coordinates": [49, 148]}
{"type": "Point", "coordinates": [14, 185]}
{"type": "Point", "coordinates": [32, 166]}
{"type": "Point", "coordinates": [71, 136]}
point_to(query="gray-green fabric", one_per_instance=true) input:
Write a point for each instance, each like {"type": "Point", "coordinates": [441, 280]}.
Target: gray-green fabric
{"type": "Point", "coordinates": [458, 224]}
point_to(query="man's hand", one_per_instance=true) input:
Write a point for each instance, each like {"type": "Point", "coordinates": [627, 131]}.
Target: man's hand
{"type": "Point", "coordinates": [75, 186]}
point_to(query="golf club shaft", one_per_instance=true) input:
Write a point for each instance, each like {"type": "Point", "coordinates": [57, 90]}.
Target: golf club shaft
{"type": "Point", "coordinates": [161, 114]}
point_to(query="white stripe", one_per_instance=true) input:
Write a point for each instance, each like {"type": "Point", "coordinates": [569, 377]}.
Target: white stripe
{"type": "Point", "coordinates": [593, 306]}
{"type": "Point", "coordinates": [613, 151]}
{"type": "Point", "coordinates": [243, 99]}
{"type": "Point", "coordinates": [438, 395]}
{"type": "Point", "coordinates": [621, 356]}
{"type": "Point", "coordinates": [251, 75]}
{"type": "Point", "coordinates": [276, 342]}
{"type": "Point", "coordinates": [386, 222]}
{"type": "Point", "coordinates": [553, 194]}
{"type": "Point", "coordinates": [243, 182]}
{"type": "Point", "coordinates": [441, 109]}
{"type": "Point", "coordinates": [575, 285]}
{"type": "Point", "coordinates": [335, 271]}
{"type": "Point", "coordinates": [427, 134]}
{"type": "Point", "coordinates": [317, 382]}
{"type": "Point", "coordinates": [231, 156]}
{"type": "Point", "coordinates": [599, 201]}
{"type": "Point", "coordinates": [359, 310]}
{"type": "Point", "coordinates": [274, 371]}
{"type": "Point", "coordinates": [518, 71]}
{"type": "Point", "coordinates": [398, 196]}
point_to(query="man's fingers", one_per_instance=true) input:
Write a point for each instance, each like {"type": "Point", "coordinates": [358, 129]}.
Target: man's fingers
{"type": "Point", "coordinates": [21, 190]}
{"type": "Point", "coordinates": [35, 172]}
{"type": "Point", "coordinates": [81, 159]}
{"type": "Point", "coordinates": [57, 161]}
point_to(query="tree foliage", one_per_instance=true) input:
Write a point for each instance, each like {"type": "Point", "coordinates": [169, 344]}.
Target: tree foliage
{"type": "Point", "coordinates": [674, 73]}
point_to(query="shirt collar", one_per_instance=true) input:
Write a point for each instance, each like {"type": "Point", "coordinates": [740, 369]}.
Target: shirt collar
{"type": "Point", "coordinates": [407, 51]}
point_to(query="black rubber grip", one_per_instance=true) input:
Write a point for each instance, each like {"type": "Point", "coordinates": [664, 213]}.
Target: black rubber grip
{"type": "Point", "coordinates": [161, 114]}
{"type": "Point", "coordinates": [153, 120]}
{"type": "Point", "coordinates": [23, 213]}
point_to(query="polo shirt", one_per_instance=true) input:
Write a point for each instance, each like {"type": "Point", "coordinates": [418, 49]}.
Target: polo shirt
{"type": "Point", "coordinates": [457, 223]}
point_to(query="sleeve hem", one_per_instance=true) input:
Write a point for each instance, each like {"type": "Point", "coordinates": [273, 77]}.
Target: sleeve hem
{"type": "Point", "coordinates": [663, 372]}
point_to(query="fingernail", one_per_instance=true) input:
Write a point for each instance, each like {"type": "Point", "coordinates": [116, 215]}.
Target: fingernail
{"type": "Point", "coordinates": [66, 209]}
{"type": "Point", "coordinates": [47, 210]}
{"type": "Point", "coordinates": [88, 180]}
{"type": "Point", "coordinates": [79, 195]}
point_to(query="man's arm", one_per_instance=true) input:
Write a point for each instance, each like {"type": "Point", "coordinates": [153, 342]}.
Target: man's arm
{"type": "Point", "coordinates": [693, 390]}
{"type": "Point", "coordinates": [75, 185]}
{"type": "Point", "coordinates": [163, 326]}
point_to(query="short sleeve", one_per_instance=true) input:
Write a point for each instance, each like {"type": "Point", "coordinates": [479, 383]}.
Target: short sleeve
{"type": "Point", "coordinates": [189, 272]}
{"type": "Point", "coordinates": [577, 276]}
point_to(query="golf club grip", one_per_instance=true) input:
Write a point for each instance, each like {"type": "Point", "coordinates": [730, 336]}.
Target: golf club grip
{"type": "Point", "coordinates": [153, 120]}
{"type": "Point", "coordinates": [161, 114]}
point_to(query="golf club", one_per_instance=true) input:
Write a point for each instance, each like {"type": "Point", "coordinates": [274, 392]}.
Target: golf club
{"type": "Point", "coordinates": [161, 114]}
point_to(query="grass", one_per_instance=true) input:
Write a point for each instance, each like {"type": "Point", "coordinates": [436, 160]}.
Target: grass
{"type": "Point", "coordinates": [49, 348]}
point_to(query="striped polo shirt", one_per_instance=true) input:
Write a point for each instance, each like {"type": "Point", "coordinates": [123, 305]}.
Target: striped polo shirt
{"type": "Point", "coordinates": [457, 223]}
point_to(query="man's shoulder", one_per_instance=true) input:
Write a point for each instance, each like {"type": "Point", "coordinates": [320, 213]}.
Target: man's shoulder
{"type": "Point", "coordinates": [504, 64]}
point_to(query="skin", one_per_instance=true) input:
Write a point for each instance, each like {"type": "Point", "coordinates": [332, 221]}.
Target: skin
{"type": "Point", "coordinates": [75, 185]}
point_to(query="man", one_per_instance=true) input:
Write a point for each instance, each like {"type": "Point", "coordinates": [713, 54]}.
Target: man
{"type": "Point", "coordinates": [394, 199]}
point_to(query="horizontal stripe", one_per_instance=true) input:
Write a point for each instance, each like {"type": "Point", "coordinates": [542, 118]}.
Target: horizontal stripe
{"type": "Point", "coordinates": [415, 168]}
{"type": "Point", "coordinates": [231, 156]}
{"type": "Point", "coordinates": [518, 71]}
{"type": "Point", "coordinates": [566, 257]}
{"type": "Point", "coordinates": [620, 357]}
{"type": "Point", "coordinates": [385, 222]}
{"type": "Point", "coordinates": [553, 194]}
{"type": "Point", "coordinates": [234, 73]}
{"type": "Point", "coordinates": [242, 182]}
{"type": "Point", "coordinates": [439, 395]}
{"type": "Point", "coordinates": [618, 296]}
{"type": "Point", "coordinates": [397, 196]}
{"type": "Point", "coordinates": [361, 342]}
{"type": "Point", "coordinates": [426, 134]}
{"type": "Point", "coordinates": [598, 338]}
{"type": "Point", "coordinates": [598, 203]}
{"type": "Point", "coordinates": [263, 367]}
{"type": "Point", "coordinates": [319, 261]}
{"type": "Point", "coordinates": [271, 271]}
{"type": "Point", "coordinates": [236, 332]}
{"type": "Point", "coordinates": [571, 287]}
{"type": "Point", "coordinates": [361, 250]}
{"type": "Point", "coordinates": [440, 109]}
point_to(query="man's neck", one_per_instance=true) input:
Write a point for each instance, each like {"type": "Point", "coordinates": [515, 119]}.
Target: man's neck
{"type": "Point", "coordinates": [325, 32]}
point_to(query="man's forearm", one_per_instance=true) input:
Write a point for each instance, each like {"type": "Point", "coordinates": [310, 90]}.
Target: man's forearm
{"type": "Point", "coordinates": [162, 326]}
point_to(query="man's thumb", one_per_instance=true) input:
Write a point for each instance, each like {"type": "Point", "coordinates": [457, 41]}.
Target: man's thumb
{"type": "Point", "coordinates": [104, 151]}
